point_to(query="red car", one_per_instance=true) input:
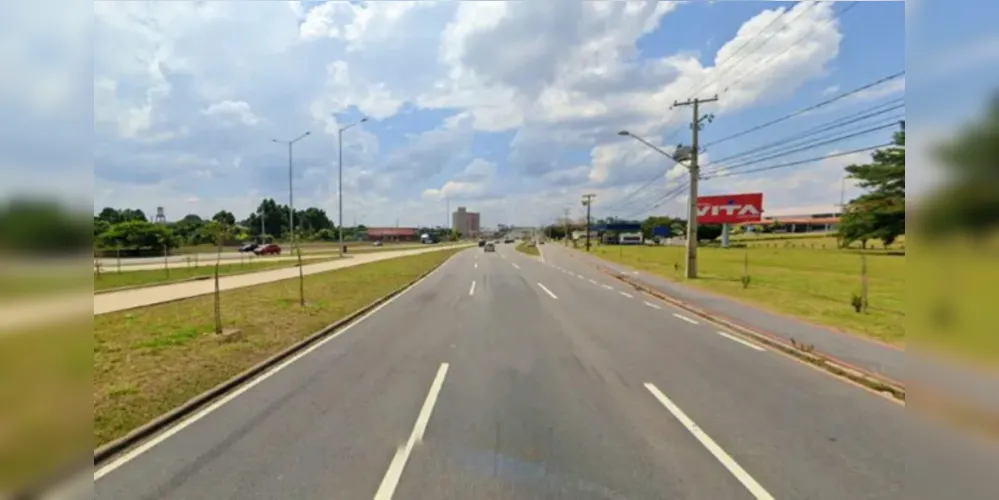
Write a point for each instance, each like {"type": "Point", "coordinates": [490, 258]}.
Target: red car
{"type": "Point", "coordinates": [268, 249]}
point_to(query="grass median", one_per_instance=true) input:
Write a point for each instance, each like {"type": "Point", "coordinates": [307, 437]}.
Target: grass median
{"type": "Point", "coordinates": [149, 277]}
{"type": "Point", "coordinates": [528, 249]}
{"type": "Point", "coordinates": [815, 285]}
{"type": "Point", "coordinates": [150, 360]}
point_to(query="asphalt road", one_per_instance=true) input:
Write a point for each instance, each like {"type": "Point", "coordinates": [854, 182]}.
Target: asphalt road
{"type": "Point", "coordinates": [922, 370]}
{"type": "Point", "coordinates": [500, 376]}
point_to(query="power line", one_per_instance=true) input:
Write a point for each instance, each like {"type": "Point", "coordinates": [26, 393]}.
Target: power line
{"type": "Point", "coordinates": [720, 65]}
{"type": "Point", "coordinates": [809, 108]}
{"type": "Point", "coordinates": [788, 47]}
{"type": "Point", "coordinates": [840, 122]}
{"type": "Point", "coordinates": [786, 25]}
{"type": "Point", "coordinates": [669, 195]}
{"type": "Point", "coordinates": [807, 146]}
{"type": "Point", "coordinates": [800, 162]}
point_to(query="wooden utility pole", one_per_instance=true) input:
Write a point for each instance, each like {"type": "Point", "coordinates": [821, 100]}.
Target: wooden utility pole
{"type": "Point", "coordinates": [587, 202]}
{"type": "Point", "coordinates": [695, 174]}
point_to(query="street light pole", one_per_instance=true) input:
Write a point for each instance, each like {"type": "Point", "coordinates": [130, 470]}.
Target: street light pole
{"type": "Point", "coordinates": [692, 169]}
{"type": "Point", "coordinates": [339, 196]}
{"type": "Point", "coordinates": [291, 215]}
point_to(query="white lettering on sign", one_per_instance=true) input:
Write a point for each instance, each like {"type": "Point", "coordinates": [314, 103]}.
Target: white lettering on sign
{"type": "Point", "coordinates": [729, 210]}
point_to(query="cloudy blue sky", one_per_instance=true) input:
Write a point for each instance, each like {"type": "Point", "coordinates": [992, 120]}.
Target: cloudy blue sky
{"type": "Point", "coordinates": [511, 109]}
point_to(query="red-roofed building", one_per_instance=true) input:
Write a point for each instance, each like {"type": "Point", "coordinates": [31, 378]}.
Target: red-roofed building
{"type": "Point", "coordinates": [392, 234]}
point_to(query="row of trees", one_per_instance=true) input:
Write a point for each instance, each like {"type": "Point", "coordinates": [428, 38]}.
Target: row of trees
{"type": "Point", "coordinates": [130, 232]}
{"type": "Point", "coordinates": [676, 225]}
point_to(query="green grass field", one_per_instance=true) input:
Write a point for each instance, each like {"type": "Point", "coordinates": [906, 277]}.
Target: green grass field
{"type": "Point", "coordinates": [528, 249]}
{"type": "Point", "coordinates": [810, 241]}
{"type": "Point", "coordinates": [816, 285]}
{"type": "Point", "coordinates": [150, 360]}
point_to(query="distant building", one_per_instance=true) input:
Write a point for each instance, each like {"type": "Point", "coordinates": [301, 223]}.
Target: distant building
{"type": "Point", "coordinates": [391, 234]}
{"type": "Point", "coordinates": [465, 222]}
{"type": "Point", "coordinates": [801, 219]}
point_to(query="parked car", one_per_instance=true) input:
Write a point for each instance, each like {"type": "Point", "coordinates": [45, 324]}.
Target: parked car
{"type": "Point", "coordinates": [268, 249]}
{"type": "Point", "coordinates": [249, 247]}
{"type": "Point", "coordinates": [490, 247]}
{"type": "Point", "coordinates": [378, 243]}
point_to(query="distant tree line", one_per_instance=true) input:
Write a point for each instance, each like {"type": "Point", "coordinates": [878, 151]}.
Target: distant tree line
{"type": "Point", "coordinates": [677, 227]}
{"type": "Point", "coordinates": [129, 232]}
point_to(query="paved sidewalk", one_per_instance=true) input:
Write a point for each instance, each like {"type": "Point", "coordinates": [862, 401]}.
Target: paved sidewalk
{"type": "Point", "coordinates": [909, 368]}
{"type": "Point", "coordinates": [128, 299]}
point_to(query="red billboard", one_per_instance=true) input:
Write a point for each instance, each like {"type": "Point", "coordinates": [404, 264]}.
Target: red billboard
{"type": "Point", "coordinates": [730, 208]}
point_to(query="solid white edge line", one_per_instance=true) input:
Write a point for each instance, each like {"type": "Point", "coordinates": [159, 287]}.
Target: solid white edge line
{"type": "Point", "coordinates": [471, 291]}
{"type": "Point", "coordinates": [626, 294]}
{"type": "Point", "coordinates": [650, 304]}
{"type": "Point", "coordinates": [549, 292]}
{"type": "Point", "coordinates": [171, 431]}
{"type": "Point", "coordinates": [391, 480]}
{"type": "Point", "coordinates": [727, 461]}
{"type": "Point", "coordinates": [688, 320]}
{"type": "Point", "coordinates": [741, 341]}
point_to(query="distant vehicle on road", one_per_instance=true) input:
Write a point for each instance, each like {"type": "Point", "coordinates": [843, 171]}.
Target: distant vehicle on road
{"type": "Point", "coordinates": [490, 247]}
{"type": "Point", "coordinates": [482, 243]}
{"type": "Point", "coordinates": [268, 249]}
{"type": "Point", "coordinates": [508, 240]}
{"type": "Point", "coordinates": [249, 247]}
{"type": "Point", "coordinates": [378, 243]}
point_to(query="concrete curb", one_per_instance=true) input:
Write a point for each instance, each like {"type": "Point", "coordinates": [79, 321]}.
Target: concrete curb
{"type": "Point", "coordinates": [116, 447]}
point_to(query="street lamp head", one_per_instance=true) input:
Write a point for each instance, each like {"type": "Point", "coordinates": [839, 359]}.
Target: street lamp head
{"type": "Point", "coordinates": [307, 133]}
{"type": "Point", "coordinates": [363, 119]}
{"type": "Point", "coordinates": [624, 132]}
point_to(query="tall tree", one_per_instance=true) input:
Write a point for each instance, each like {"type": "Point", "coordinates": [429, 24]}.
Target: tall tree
{"type": "Point", "coordinates": [225, 217]}
{"type": "Point", "coordinates": [880, 212]}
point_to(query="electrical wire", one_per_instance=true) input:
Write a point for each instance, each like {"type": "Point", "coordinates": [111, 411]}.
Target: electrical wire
{"type": "Point", "coordinates": [671, 194]}
{"type": "Point", "coordinates": [822, 142]}
{"type": "Point", "coordinates": [809, 108]}
{"type": "Point", "coordinates": [724, 71]}
{"type": "Point", "coordinates": [799, 162]}
{"type": "Point", "coordinates": [834, 124]}
{"type": "Point", "coordinates": [789, 46]}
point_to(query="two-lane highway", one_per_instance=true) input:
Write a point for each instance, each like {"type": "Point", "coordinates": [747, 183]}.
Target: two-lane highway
{"type": "Point", "coordinates": [502, 376]}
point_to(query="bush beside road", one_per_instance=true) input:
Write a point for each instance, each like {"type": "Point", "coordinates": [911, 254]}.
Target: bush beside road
{"type": "Point", "coordinates": [150, 360]}
{"type": "Point", "coordinates": [811, 284]}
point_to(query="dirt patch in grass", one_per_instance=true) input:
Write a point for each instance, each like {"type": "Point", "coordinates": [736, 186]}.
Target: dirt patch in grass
{"type": "Point", "coordinates": [109, 280]}
{"type": "Point", "coordinates": [45, 392]}
{"type": "Point", "coordinates": [528, 249]}
{"type": "Point", "coordinates": [815, 285]}
{"type": "Point", "coordinates": [150, 360]}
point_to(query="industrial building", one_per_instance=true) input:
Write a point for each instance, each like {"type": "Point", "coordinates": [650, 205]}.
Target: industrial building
{"type": "Point", "coordinates": [465, 222]}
